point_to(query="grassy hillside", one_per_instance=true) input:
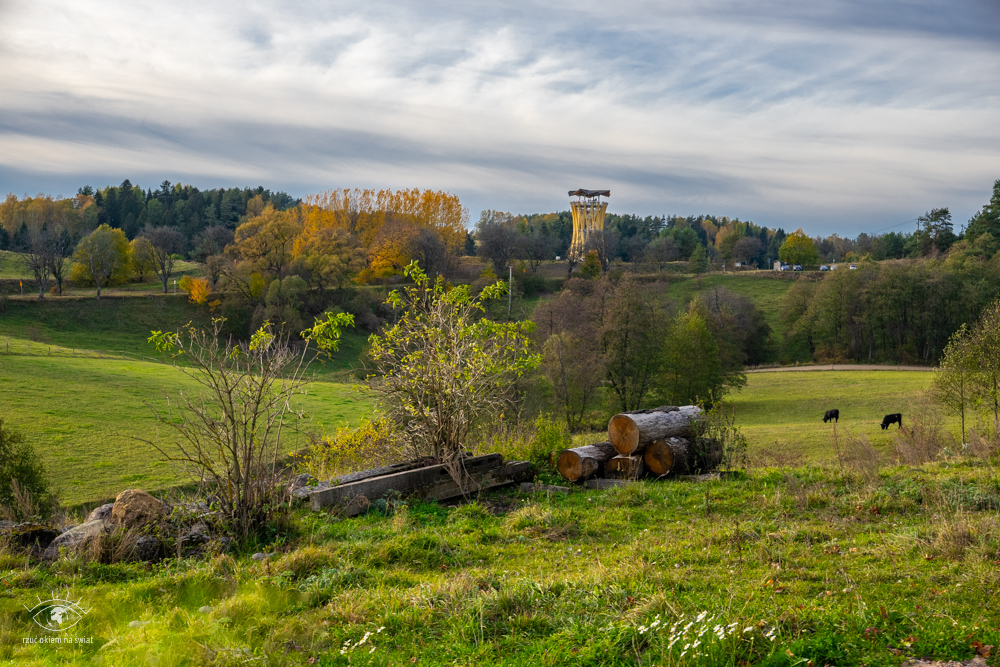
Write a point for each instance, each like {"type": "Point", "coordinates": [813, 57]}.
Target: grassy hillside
{"type": "Point", "coordinates": [80, 414]}
{"type": "Point", "coordinates": [765, 290]}
{"type": "Point", "coordinates": [113, 323]}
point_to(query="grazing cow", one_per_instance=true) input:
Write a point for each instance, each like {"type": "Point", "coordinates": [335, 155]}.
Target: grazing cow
{"type": "Point", "coordinates": [892, 419]}
{"type": "Point", "coordinates": [831, 414]}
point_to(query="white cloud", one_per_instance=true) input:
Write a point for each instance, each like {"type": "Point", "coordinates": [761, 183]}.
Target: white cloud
{"type": "Point", "coordinates": [836, 118]}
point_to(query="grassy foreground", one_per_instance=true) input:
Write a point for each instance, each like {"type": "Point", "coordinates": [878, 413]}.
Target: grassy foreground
{"type": "Point", "coordinates": [782, 567]}
{"type": "Point", "coordinates": [81, 415]}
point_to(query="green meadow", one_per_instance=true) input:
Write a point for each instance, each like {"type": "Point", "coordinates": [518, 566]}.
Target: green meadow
{"type": "Point", "coordinates": [782, 413]}
{"type": "Point", "coordinates": [82, 415]}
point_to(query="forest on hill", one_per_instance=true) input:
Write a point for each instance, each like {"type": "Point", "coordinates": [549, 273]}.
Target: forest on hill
{"type": "Point", "coordinates": [271, 257]}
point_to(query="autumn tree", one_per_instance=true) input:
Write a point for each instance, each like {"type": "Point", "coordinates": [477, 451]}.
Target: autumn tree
{"type": "Point", "coordinates": [798, 248]}
{"type": "Point", "coordinates": [693, 370]}
{"type": "Point", "coordinates": [142, 258]}
{"type": "Point", "coordinates": [954, 378]}
{"type": "Point", "coordinates": [661, 251]}
{"type": "Point", "coordinates": [497, 239]}
{"type": "Point", "coordinates": [631, 329]}
{"type": "Point", "coordinates": [61, 247]}
{"type": "Point", "coordinates": [605, 243]}
{"type": "Point", "coordinates": [35, 254]}
{"type": "Point", "coordinates": [265, 243]}
{"type": "Point", "coordinates": [164, 243]}
{"type": "Point", "coordinates": [102, 257]}
{"type": "Point", "coordinates": [327, 258]}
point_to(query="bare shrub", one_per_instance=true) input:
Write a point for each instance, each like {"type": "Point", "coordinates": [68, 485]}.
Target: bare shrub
{"type": "Point", "coordinates": [860, 456]}
{"type": "Point", "coordinates": [230, 436]}
{"type": "Point", "coordinates": [925, 437]}
{"type": "Point", "coordinates": [982, 444]}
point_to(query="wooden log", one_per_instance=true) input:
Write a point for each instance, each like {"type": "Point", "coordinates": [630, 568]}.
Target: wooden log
{"type": "Point", "coordinates": [579, 463]}
{"type": "Point", "coordinates": [402, 482]}
{"type": "Point", "coordinates": [625, 467]}
{"type": "Point", "coordinates": [631, 432]}
{"type": "Point", "coordinates": [668, 456]}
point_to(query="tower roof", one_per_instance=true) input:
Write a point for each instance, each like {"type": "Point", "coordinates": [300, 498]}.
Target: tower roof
{"type": "Point", "coordinates": [589, 193]}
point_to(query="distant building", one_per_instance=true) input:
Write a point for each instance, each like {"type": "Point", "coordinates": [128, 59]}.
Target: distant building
{"type": "Point", "coordinates": [588, 217]}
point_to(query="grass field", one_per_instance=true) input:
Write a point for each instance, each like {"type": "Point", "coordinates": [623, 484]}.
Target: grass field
{"type": "Point", "coordinates": [780, 568]}
{"type": "Point", "coordinates": [81, 413]}
{"type": "Point", "coordinates": [782, 413]}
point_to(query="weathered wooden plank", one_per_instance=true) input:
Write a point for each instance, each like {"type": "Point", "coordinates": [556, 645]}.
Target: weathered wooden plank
{"type": "Point", "coordinates": [380, 472]}
{"type": "Point", "coordinates": [402, 482]}
{"type": "Point", "coordinates": [510, 473]}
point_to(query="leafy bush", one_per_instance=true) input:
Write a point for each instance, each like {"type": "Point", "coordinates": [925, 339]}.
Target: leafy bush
{"type": "Point", "coordinates": [373, 443]}
{"type": "Point", "coordinates": [24, 488]}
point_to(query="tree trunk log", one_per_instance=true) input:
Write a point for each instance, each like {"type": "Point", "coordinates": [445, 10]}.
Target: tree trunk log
{"type": "Point", "coordinates": [579, 463]}
{"type": "Point", "coordinates": [668, 456]}
{"type": "Point", "coordinates": [625, 467]}
{"type": "Point", "coordinates": [631, 432]}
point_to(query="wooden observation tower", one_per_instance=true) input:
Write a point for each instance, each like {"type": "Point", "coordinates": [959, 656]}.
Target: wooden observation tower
{"type": "Point", "coordinates": [588, 217]}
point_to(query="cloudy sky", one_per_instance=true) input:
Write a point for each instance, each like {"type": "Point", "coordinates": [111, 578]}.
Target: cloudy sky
{"type": "Point", "coordinates": [841, 116]}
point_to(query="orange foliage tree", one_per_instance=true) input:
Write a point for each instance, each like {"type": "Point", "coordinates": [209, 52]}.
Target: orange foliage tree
{"type": "Point", "coordinates": [364, 212]}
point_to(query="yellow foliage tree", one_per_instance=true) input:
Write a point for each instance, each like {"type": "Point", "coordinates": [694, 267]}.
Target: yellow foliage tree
{"type": "Point", "coordinates": [364, 212]}
{"type": "Point", "coordinates": [198, 289]}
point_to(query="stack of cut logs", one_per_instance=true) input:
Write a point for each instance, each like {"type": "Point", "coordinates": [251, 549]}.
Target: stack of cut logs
{"type": "Point", "coordinates": [656, 442]}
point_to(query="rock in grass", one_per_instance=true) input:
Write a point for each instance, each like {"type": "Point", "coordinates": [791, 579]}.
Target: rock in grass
{"type": "Point", "coordinates": [195, 536]}
{"type": "Point", "coordinates": [260, 556]}
{"type": "Point", "coordinates": [147, 548]}
{"type": "Point", "coordinates": [137, 624]}
{"type": "Point", "coordinates": [75, 539]}
{"type": "Point", "coordinates": [32, 534]}
{"type": "Point", "coordinates": [135, 507]}
{"type": "Point", "coordinates": [205, 610]}
{"type": "Point", "coordinates": [103, 512]}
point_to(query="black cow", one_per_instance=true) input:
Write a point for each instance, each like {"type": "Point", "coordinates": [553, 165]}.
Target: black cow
{"type": "Point", "coordinates": [831, 414]}
{"type": "Point", "coordinates": [888, 420]}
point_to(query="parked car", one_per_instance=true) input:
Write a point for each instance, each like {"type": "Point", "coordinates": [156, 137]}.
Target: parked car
{"type": "Point", "coordinates": [824, 267]}
{"type": "Point", "coordinates": [833, 266]}
{"type": "Point", "coordinates": [797, 267]}
{"type": "Point", "coordinates": [853, 266]}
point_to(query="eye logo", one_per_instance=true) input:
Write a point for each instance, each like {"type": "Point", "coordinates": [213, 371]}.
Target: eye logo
{"type": "Point", "coordinates": [56, 615]}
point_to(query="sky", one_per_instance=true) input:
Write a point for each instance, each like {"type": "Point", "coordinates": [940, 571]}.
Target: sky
{"type": "Point", "coordinates": [839, 117]}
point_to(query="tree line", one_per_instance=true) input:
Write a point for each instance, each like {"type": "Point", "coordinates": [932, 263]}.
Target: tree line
{"type": "Point", "coordinates": [620, 345]}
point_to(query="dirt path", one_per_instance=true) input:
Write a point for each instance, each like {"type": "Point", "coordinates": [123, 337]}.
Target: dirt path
{"type": "Point", "coordinates": [840, 367]}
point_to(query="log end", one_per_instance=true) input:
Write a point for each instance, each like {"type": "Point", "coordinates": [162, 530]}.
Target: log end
{"type": "Point", "coordinates": [623, 434]}
{"type": "Point", "coordinates": [569, 465]}
{"type": "Point", "coordinates": [659, 457]}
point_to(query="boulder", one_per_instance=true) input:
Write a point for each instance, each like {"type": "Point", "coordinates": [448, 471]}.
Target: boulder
{"type": "Point", "coordinates": [32, 534]}
{"type": "Point", "coordinates": [134, 508]}
{"type": "Point", "coordinates": [75, 539]}
{"type": "Point", "coordinates": [194, 537]}
{"type": "Point", "coordinates": [103, 512]}
{"type": "Point", "coordinates": [147, 548]}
